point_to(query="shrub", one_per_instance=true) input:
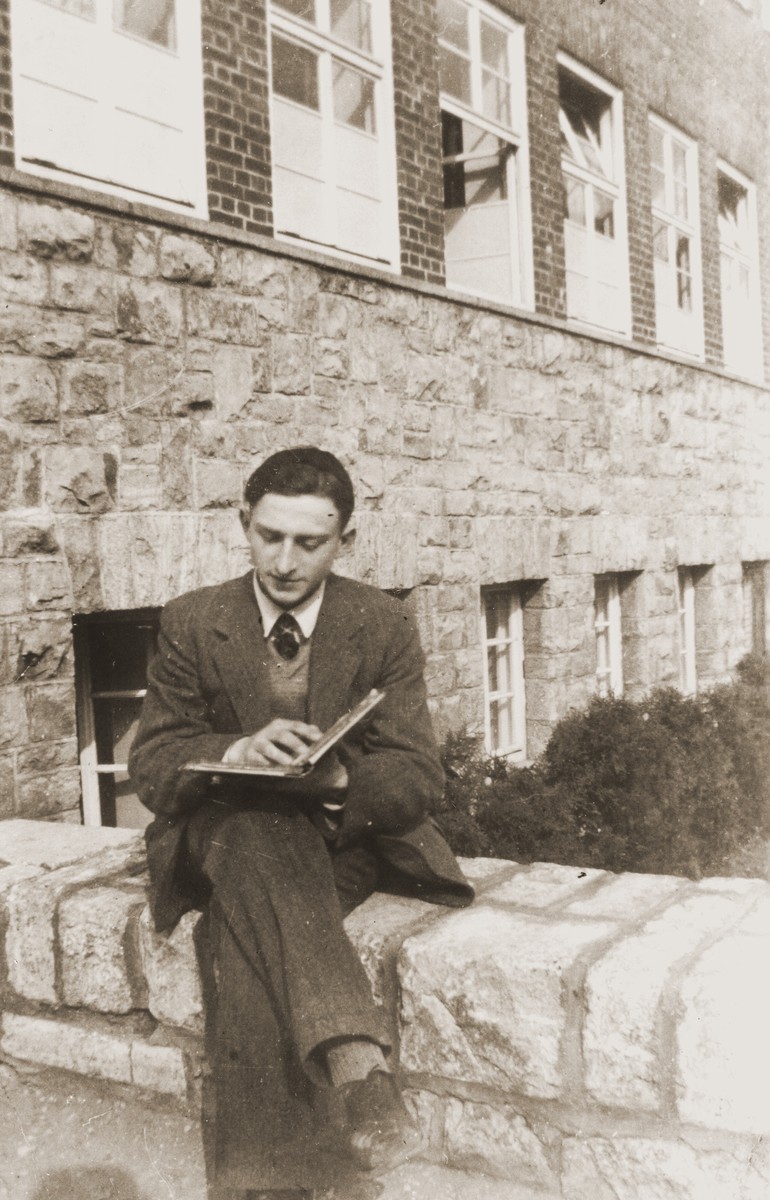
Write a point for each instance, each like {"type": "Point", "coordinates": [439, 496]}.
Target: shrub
{"type": "Point", "coordinates": [671, 785]}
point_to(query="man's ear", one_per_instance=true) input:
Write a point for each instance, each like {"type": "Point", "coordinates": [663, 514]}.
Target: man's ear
{"type": "Point", "coordinates": [348, 537]}
{"type": "Point", "coordinates": [244, 514]}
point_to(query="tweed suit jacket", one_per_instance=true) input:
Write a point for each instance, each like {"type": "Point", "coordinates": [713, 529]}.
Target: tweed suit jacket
{"type": "Point", "coordinates": [208, 685]}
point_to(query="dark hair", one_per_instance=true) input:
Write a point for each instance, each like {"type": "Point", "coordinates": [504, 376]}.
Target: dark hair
{"type": "Point", "coordinates": [303, 471]}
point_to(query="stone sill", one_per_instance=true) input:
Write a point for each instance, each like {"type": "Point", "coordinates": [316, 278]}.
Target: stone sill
{"type": "Point", "coordinates": [569, 1028]}
{"type": "Point", "coordinates": [23, 181]}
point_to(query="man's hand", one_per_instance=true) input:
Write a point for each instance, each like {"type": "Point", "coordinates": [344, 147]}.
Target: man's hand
{"type": "Point", "coordinates": [279, 742]}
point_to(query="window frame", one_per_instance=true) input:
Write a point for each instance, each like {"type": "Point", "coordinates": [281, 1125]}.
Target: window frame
{"type": "Point", "coordinates": [377, 65]}
{"type": "Point", "coordinates": [691, 343]}
{"type": "Point", "coordinates": [515, 751]}
{"type": "Point", "coordinates": [91, 769]}
{"type": "Point", "coordinates": [754, 589]}
{"type": "Point", "coordinates": [688, 672]}
{"type": "Point", "coordinates": [516, 135]}
{"type": "Point", "coordinates": [187, 52]}
{"type": "Point", "coordinates": [750, 259]}
{"type": "Point", "coordinates": [608, 635]}
{"type": "Point", "coordinates": [613, 185]}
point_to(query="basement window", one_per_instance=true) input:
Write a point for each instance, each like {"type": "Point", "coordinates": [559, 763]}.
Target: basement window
{"type": "Point", "coordinates": [112, 654]}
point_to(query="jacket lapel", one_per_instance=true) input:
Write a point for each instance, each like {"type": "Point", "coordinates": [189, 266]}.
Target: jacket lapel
{"type": "Point", "coordinates": [334, 656]}
{"type": "Point", "coordinates": [239, 652]}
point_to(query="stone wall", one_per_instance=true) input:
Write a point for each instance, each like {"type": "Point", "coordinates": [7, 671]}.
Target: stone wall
{"type": "Point", "coordinates": [146, 367]}
{"type": "Point", "coordinates": [573, 1032]}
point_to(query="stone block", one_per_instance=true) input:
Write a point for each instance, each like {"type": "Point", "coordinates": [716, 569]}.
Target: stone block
{"type": "Point", "coordinates": [723, 1037]}
{"type": "Point", "coordinates": [543, 885]}
{"type": "Point", "coordinates": [125, 247]}
{"type": "Point", "coordinates": [27, 390]}
{"type": "Point", "coordinates": [222, 317]}
{"type": "Point", "coordinates": [48, 584]}
{"type": "Point", "coordinates": [291, 364]}
{"type": "Point", "coordinates": [482, 997]}
{"type": "Point", "coordinates": [43, 648]}
{"type": "Point", "coordinates": [52, 337]}
{"type": "Point", "coordinates": [170, 967]}
{"type": "Point", "coordinates": [420, 1180]}
{"type": "Point", "coordinates": [52, 1043]}
{"type": "Point", "coordinates": [217, 484]}
{"type": "Point", "coordinates": [158, 1068]}
{"type": "Point", "coordinates": [27, 531]}
{"type": "Point", "coordinates": [624, 991]}
{"type": "Point", "coordinates": [238, 373]}
{"type": "Point", "coordinates": [51, 847]}
{"type": "Point", "coordinates": [89, 388]}
{"type": "Point", "coordinates": [638, 1168]}
{"type": "Point", "coordinates": [13, 721]}
{"type": "Point", "coordinates": [8, 230]}
{"type": "Point", "coordinates": [11, 588]}
{"type": "Point", "coordinates": [627, 897]}
{"type": "Point", "coordinates": [79, 479]}
{"type": "Point", "coordinates": [52, 232]}
{"type": "Point", "coordinates": [22, 279]}
{"type": "Point", "coordinates": [384, 921]}
{"type": "Point", "coordinates": [139, 486]}
{"type": "Point", "coordinates": [45, 757]}
{"type": "Point", "coordinates": [93, 933]}
{"type": "Point", "coordinates": [149, 312]}
{"type": "Point", "coordinates": [480, 870]}
{"type": "Point", "coordinates": [185, 259]}
{"type": "Point", "coordinates": [32, 905]}
{"type": "Point", "coordinates": [49, 794]}
{"type": "Point", "coordinates": [496, 1141]}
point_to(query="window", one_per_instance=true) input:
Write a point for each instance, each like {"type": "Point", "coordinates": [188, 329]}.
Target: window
{"type": "Point", "coordinates": [595, 247]}
{"type": "Point", "coordinates": [609, 641]}
{"type": "Point", "coordinates": [485, 156]}
{"type": "Point", "coordinates": [675, 239]}
{"type": "Point", "coordinates": [686, 580]}
{"type": "Point", "coordinates": [502, 636]}
{"type": "Point", "coordinates": [741, 312]}
{"type": "Point", "coordinates": [112, 653]}
{"type": "Point", "coordinates": [332, 132]}
{"type": "Point", "coordinates": [108, 93]}
{"type": "Point", "coordinates": [755, 607]}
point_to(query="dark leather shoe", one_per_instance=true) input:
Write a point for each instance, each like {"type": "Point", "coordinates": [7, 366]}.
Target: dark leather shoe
{"type": "Point", "coordinates": [381, 1131]}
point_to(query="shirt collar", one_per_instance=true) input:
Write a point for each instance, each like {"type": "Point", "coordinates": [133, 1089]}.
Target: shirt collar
{"type": "Point", "coordinates": [305, 614]}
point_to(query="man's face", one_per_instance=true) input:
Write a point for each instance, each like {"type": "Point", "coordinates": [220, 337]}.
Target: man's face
{"type": "Point", "coordinates": [293, 541]}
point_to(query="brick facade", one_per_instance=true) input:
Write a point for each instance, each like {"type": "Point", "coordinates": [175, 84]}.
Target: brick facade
{"type": "Point", "coordinates": [147, 361]}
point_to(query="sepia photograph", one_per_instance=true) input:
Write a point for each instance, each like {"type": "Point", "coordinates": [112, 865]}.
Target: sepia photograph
{"type": "Point", "coordinates": [384, 600]}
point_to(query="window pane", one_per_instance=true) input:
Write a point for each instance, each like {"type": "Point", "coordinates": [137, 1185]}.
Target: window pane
{"type": "Point", "coordinates": [295, 72]}
{"type": "Point", "coordinates": [119, 652]}
{"type": "Point", "coordinates": [298, 8]}
{"type": "Point", "coordinates": [496, 98]}
{"type": "Point", "coordinates": [76, 8]}
{"type": "Point", "coordinates": [454, 75]}
{"type": "Point", "coordinates": [152, 20]}
{"type": "Point", "coordinates": [660, 241]}
{"type": "Point", "coordinates": [683, 277]}
{"type": "Point", "coordinates": [353, 98]}
{"type": "Point", "coordinates": [733, 214]}
{"type": "Point", "coordinates": [656, 148]}
{"type": "Point", "coordinates": [679, 157]}
{"type": "Point", "coordinates": [115, 726]}
{"type": "Point", "coordinates": [452, 19]}
{"type": "Point", "coordinates": [574, 200]}
{"type": "Point", "coordinates": [351, 22]}
{"type": "Point", "coordinates": [494, 48]}
{"type": "Point", "coordinates": [604, 214]}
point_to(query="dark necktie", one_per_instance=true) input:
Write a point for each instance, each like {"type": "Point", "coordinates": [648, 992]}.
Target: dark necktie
{"type": "Point", "coordinates": [285, 636]}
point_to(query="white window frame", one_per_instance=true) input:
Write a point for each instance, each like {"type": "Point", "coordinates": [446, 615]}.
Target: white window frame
{"type": "Point", "coordinates": [187, 53]}
{"type": "Point", "coordinates": [377, 66]}
{"type": "Point", "coordinates": [516, 135]}
{"type": "Point", "coordinates": [677, 329]}
{"type": "Point", "coordinates": [509, 643]}
{"type": "Point", "coordinates": [612, 182]}
{"type": "Point", "coordinates": [609, 635]}
{"type": "Point", "coordinates": [92, 770]}
{"type": "Point", "coordinates": [685, 591]}
{"type": "Point", "coordinates": [745, 359]}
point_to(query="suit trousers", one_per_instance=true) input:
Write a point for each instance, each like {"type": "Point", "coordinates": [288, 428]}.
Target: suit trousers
{"type": "Point", "coordinates": [288, 981]}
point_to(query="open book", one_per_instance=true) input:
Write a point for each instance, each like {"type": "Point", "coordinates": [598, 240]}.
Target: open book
{"type": "Point", "coordinates": [305, 761]}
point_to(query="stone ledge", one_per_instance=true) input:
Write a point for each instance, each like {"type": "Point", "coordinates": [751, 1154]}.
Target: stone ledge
{"type": "Point", "coordinates": [573, 1030]}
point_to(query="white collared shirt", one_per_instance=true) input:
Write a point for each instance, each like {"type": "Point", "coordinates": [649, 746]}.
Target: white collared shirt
{"type": "Point", "coordinates": [305, 614]}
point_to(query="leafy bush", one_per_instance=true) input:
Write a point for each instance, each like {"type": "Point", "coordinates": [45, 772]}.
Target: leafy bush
{"type": "Point", "coordinates": [671, 785]}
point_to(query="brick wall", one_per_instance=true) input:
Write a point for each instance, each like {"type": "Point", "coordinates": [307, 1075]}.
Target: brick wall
{"type": "Point", "coordinates": [418, 139]}
{"type": "Point", "coordinates": [6, 98]}
{"type": "Point", "coordinates": [236, 93]}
